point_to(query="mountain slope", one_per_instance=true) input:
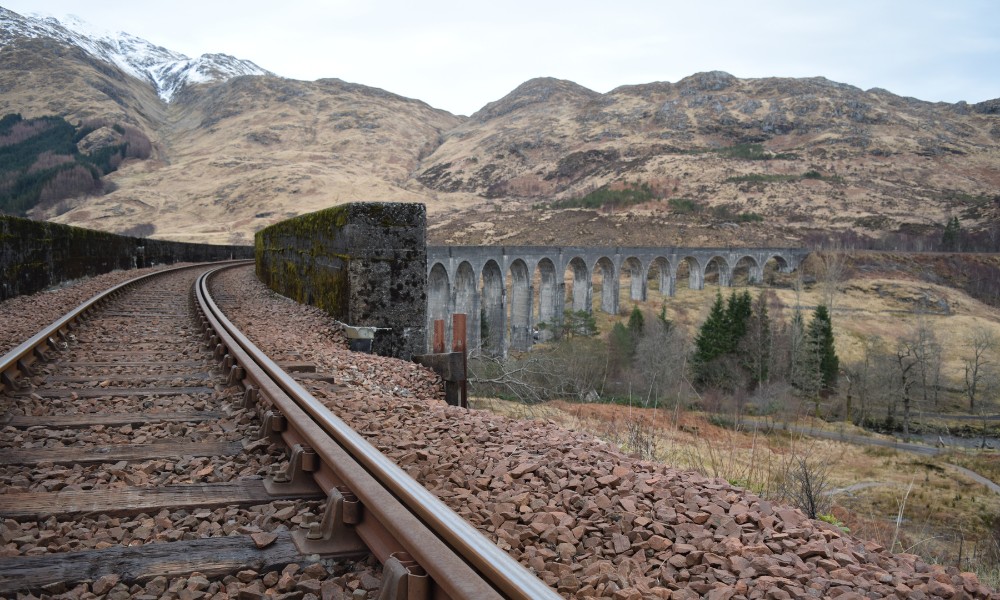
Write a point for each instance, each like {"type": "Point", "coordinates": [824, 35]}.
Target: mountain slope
{"type": "Point", "coordinates": [724, 160]}
{"type": "Point", "coordinates": [167, 71]}
{"type": "Point", "coordinates": [241, 154]}
{"type": "Point", "coordinates": [810, 152]}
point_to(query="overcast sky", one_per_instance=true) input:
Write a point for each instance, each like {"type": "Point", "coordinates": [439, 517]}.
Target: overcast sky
{"type": "Point", "coordinates": [460, 55]}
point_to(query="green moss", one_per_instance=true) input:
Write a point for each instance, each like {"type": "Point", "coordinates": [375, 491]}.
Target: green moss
{"type": "Point", "coordinates": [48, 253]}
{"type": "Point", "coordinates": [312, 259]}
{"type": "Point", "coordinates": [287, 255]}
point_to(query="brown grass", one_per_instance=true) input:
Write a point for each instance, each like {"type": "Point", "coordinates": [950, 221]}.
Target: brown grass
{"type": "Point", "coordinates": [944, 512]}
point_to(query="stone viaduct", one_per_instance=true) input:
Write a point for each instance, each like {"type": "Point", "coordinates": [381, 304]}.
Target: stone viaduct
{"type": "Point", "coordinates": [515, 288]}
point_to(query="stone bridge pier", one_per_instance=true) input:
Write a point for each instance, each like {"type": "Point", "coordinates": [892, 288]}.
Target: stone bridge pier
{"type": "Point", "coordinates": [510, 292]}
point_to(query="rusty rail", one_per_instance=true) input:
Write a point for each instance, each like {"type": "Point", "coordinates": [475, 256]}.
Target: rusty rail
{"type": "Point", "coordinates": [439, 554]}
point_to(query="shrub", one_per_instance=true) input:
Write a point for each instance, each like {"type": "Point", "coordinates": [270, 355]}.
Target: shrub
{"type": "Point", "coordinates": [753, 152]}
{"type": "Point", "coordinates": [684, 206]}
{"type": "Point", "coordinates": [631, 194]}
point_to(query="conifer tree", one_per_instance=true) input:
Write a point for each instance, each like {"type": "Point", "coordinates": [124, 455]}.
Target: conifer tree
{"type": "Point", "coordinates": [737, 313]}
{"type": "Point", "coordinates": [755, 347]}
{"type": "Point", "coordinates": [814, 359]}
{"type": "Point", "coordinates": [716, 361]}
{"type": "Point", "coordinates": [635, 323]}
{"type": "Point", "coordinates": [579, 323]}
{"type": "Point", "coordinates": [804, 372]}
{"type": "Point", "coordinates": [663, 317]}
{"type": "Point", "coordinates": [951, 238]}
{"type": "Point", "coordinates": [712, 340]}
{"type": "Point", "coordinates": [821, 332]}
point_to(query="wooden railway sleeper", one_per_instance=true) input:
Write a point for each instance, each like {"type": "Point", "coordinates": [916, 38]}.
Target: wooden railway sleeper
{"type": "Point", "coordinates": [18, 377]}
{"type": "Point", "coordinates": [25, 369]}
{"type": "Point", "coordinates": [10, 380]}
{"type": "Point", "coordinates": [41, 354]}
{"type": "Point", "coordinates": [60, 344]}
{"type": "Point", "coordinates": [334, 535]}
{"type": "Point", "coordinates": [403, 579]}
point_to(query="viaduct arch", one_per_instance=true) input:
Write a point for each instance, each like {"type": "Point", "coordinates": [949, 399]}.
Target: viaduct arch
{"type": "Point", "coordinates": [475, 280]}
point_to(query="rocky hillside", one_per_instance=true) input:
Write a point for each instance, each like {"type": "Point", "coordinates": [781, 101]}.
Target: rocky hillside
{"type": "Point", "coordinates": [711, 159]}
{"type": "Point", "coordinates": [804, 153]}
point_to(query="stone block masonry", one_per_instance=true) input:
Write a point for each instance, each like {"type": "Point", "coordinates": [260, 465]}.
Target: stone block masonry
{"type": "Point", "coordinates": [35, 255]}
{"type": "Point", "coordinates": [364, 263]}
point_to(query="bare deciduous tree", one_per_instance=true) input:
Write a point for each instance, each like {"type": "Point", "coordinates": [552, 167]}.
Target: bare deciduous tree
{"type": "Point", "coordinates": [832, 275]}
{"type": "Point", "coordinates": [927, 351]}
{"type": "Point", "coordinates": [906, 362]}
{"type": "Point", "coordinates": [979, 363]}
{"type": "Point", "coordinates": [873, 381]}
{"type": "Point", "coordinates": [807, 485]}
{"type": "Point", "coordinates": [570, 370]}
{"type": "Point", "coordinates": [659, 363]}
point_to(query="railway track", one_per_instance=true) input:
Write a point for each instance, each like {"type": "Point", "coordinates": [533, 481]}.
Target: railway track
{"type": "Point", "coordinates": [147, 448]}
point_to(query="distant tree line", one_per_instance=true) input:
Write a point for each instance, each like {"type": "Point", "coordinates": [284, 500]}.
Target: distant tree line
{"type": "Point", "coordinates": [750, 356]}
{"type": "Point", "coordinates": [41, 162]}
{"type": "Point", "coordinates": [950, 236]}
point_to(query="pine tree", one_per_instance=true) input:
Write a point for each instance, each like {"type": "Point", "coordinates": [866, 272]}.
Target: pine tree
{"type": "Point", "coordinates": [720, 340]}
{"type": "Point", "coordinates": [814, 359]}
{"type": "Point", "coordinates": [737, 314]}
{"type": "Point", "coordinates": [821, 329]}
{"type": "Point", "coordinates": [635, 323]}
{"type": "Point", "coordinates": [579, 323]}
{"type": "Point", "coordinates": [804, 372]}
{"type": "Point", "coordinates": [663, 317]}
{"type": "Point", "coordinates": [951, 238]}
{"type": "Point", "coordinates": [712, 340]}
{"type": "Point", "coordinates": [755, 347]}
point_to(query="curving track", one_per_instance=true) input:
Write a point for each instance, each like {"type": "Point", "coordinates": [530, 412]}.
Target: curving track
{"type": "Point", "coordinates": [134, 463]}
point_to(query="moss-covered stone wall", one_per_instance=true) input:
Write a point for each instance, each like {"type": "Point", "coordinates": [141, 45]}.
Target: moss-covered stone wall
{"type": "Point", "coordinates": [35, 255]}
{"type": "Point", "coordinates": [365, 263]}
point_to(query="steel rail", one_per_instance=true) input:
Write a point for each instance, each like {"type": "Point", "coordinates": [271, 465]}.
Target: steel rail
{"type": "Point", "coordinates": [395, 493]}
{"type": "Point", "coordinates": [18, 360]}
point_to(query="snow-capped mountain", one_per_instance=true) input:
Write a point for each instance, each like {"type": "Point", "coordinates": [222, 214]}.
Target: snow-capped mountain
{"type": "Point", "coordinates": [167, 71]}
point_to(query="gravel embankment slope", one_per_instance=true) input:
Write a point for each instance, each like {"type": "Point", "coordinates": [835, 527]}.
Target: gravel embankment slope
{"type": "Point", "coordinates": [588, 519]}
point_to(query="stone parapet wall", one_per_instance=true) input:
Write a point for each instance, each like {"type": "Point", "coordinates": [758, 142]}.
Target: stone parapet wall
{"type": "Point", "coordinates": [35, 255]}
{"type": "Point", "coordinates": [364, 263]}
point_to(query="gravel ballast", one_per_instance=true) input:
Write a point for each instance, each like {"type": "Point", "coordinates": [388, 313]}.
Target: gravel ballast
{"type": "Point", "coordinates": [589, 520]}
{"type": "Point", "coordinates": [160, 347]}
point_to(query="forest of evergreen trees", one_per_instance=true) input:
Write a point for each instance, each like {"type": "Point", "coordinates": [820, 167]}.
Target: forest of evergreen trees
{"type": "Point", "coordinates": [41, 162]}
{"type": "Point", "coordinates": [734, 348]}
